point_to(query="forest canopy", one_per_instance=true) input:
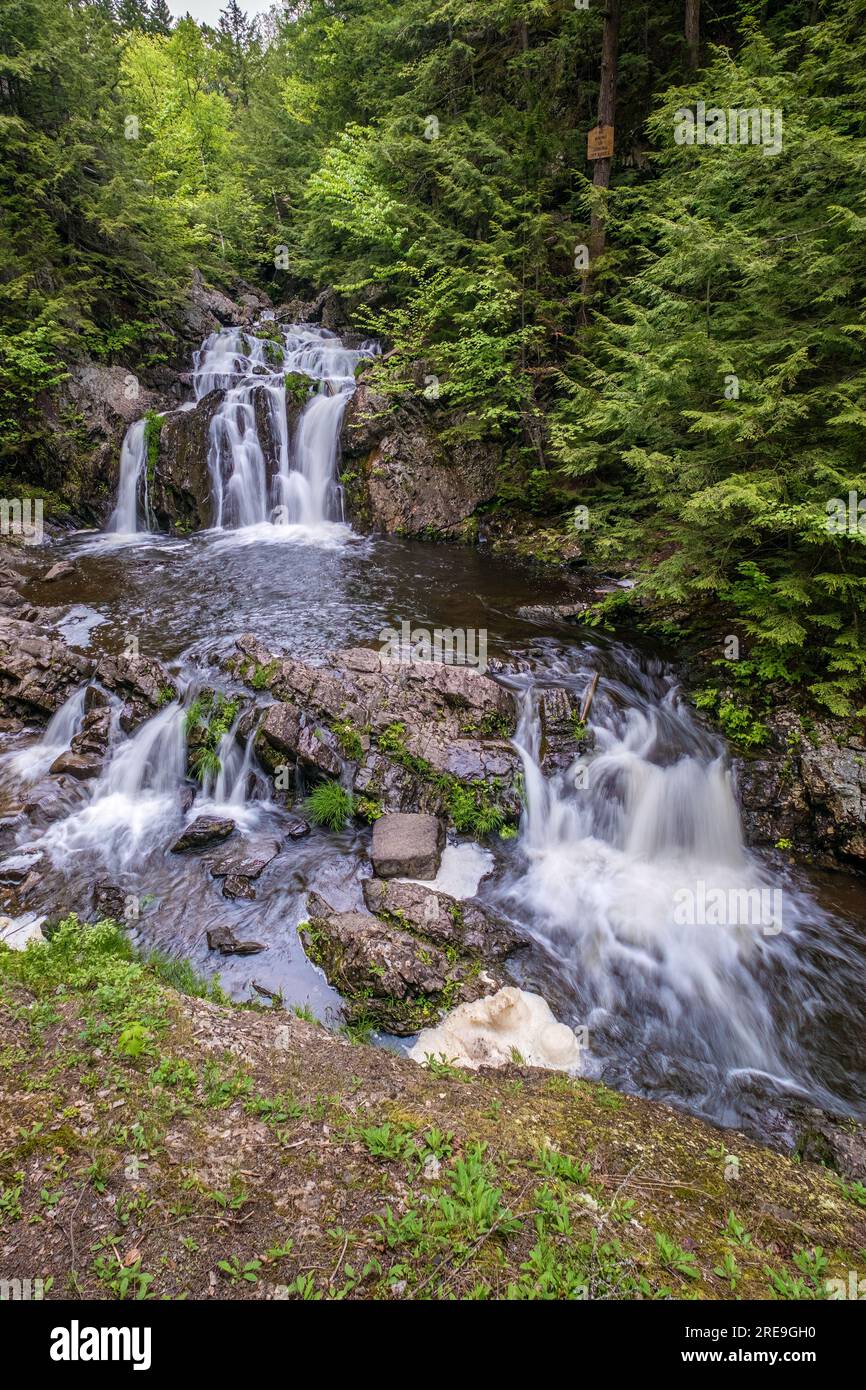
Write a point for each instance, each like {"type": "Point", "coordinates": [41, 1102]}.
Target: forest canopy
{"type": "Point", "coordinates": [680, 352]}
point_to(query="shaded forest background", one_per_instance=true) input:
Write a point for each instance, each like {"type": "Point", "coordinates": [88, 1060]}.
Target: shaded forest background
{"type": "Point", "coordinates": [428, 161]}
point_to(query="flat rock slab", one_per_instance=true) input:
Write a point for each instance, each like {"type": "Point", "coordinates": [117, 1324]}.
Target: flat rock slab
{"type": "Point", "coordinates": [407, 845]}
{"type": "Point", "coordinates": [80, 765]}
{"type": "Point", "coordinates": [245, 860]}
{"type": "Point", "coordinates": [205, 830]}
{"type": "Point", "coordinates": [467, 926]}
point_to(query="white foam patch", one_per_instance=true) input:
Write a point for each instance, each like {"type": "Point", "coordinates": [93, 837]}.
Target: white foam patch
{"type": "Point", "coordinates": [494, 1031]}
{"type": "Point", "coordinates": [460, 872]}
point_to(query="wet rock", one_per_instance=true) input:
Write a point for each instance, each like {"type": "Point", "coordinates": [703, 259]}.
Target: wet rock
{"type": "Point", "coordinates": [110, 900]}
{"type": "Point", "coordinates": [204, 830]}
{"type": "Point", "coordinates": [180, 493]}
{"type": "Point", "coordinates": [834, 1141]}
{"type": "Point", "coordinates": [186, 797]}
{"type": "Point", "coordinates": [407, 845]}
{"type": "Point", "coordinates": [468, 926]}
{"type": "Point", "coordinates": [58, 571]}
{"type": "Point", "coordinates": [93, 737]}
{"type": "Point", "coordinates": [80, 765]}
{"type": "Point", "coordinates": [141, 682]}
{"type": "Point", "coordinates": [278, 734]}
{"type": "Point", "coordinates": [386, 975]}
{"type": "Point", "coordinates": [245, 860]}
{"type": "Point", "coordinates": [239, 865]}
{"type": "Point", "coordinates": [234, 886]}
{"type": "Point", "coordinates": [419, 726]}
{"type": "Point", "coordinates": [223, 939]}
{"type": "Point", "coordinates": [296, 828]}
{"type": "Point", "coordinates": [16, 868]}
{"type": "Point", "coordinates": [807, 789]}
{"type": "Point", "coordinates": [38, 671]}
{"type": "Point", "coordinates": [285, 737]}
{"type": "Point", "coordinates": [403, 480]}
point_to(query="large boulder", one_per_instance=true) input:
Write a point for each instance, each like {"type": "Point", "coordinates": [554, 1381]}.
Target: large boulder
{"type": "Point", "coordinates": [401, 478]}
{"type": "Point", "coordinates": [389, 977]}
{"type": "Point", "coordinates": [407, 846]}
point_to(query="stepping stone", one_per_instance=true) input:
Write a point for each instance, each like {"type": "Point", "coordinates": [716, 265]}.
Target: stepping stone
{"type": "Point", "coordinates": [205, 830]}
{"type": "Point", "coordinates": [223, 939]}
{"type": "Point", "coordinates": [407, 845]}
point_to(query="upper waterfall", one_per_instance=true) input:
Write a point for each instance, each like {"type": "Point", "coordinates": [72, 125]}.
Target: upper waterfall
{"type": "Point", "coordinates": [267, 467]}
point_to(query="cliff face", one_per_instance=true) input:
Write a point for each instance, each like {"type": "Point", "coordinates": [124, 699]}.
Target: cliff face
{"type": "Point", "coordinates": [402, 479]}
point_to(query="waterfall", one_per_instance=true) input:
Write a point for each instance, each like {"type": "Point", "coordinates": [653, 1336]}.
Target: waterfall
{"type": "Point", "coordinates": [277, 480]}
{"type": "Point", "coordinates": [632, 874]}
{"type": "Point", "coordinates": [30, 763]}
{"type": "Point", "coordinates": [134, 799]}
{"type": "Point", "coordinates": [133, 471]}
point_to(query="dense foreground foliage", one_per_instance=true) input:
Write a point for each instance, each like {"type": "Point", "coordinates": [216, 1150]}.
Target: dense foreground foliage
{"type": "Point", "coordinates": [697, 386]}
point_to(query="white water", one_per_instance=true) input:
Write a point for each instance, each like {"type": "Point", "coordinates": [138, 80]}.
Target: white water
{"type": "Point", "coordinates": [265, 482]}
{"type": "Point", "coordinates": [615, 858]}
{"type": "Point", "coordinates": [280, 481]}
{"type": "Point", "coordinates": [31, 763]}
{"type": "Point", "coordinates": [134, 802]}
{"type": "Point", "coordinates": [124, 520]}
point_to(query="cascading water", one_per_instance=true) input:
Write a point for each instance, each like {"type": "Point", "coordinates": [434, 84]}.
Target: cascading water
{"type": "Point", "coordinates": [132, 801]}
{"type": "Point", "coordinates": [692, 964]}
{"type": "Point", "coordinates": [31, 763]}
{"type": "Point", "coordinates": [278, 480]}
{"type": "Point", "coordinates": [124, 520]}
{"type": "Point", "coordinates": [260, 474]}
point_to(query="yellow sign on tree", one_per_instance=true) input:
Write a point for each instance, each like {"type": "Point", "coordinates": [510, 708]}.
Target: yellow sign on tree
{"type": "Point", "coordinates": [599, 142]}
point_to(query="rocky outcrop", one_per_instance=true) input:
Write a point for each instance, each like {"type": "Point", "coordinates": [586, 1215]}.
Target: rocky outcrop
{"type": "Point", "coordinates": [141, 682]}
{"type": "Point", "coordinates": [465, 926]}
{"type": "Point", "coordinates": [807, 791]}
{"type": "Point", "coordinates": [180, 491]}
{"type": "Point", "coordinates": [418, 736]}
{"type": "Point", "coordinates": [389, 977]}
{"type": "Point", "coordinates": [38, 671]}
{"type": "Point", "coordinates": [400, 478]}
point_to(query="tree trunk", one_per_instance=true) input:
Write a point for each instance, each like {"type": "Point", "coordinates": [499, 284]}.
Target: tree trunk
{"type": "Point", "coordinates": [693, 32]}
{"type": "Point", "coordinates": [606, 108]}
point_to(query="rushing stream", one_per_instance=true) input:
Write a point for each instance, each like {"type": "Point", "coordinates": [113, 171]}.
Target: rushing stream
{"type": "Point", "coordinates": [620, 858]}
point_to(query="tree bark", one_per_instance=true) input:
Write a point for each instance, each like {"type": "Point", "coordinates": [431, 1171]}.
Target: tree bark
{"type": "Point", "coordinates": [693, 32]}
{"type": "Point", "coordinates": [606, 108]}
